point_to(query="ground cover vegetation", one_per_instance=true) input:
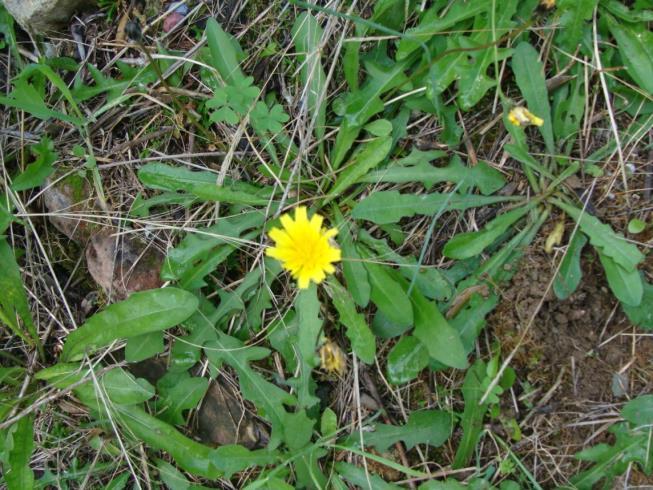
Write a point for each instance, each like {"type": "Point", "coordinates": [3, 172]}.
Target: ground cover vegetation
{"type": "Point", "coordinates": [389, 244]}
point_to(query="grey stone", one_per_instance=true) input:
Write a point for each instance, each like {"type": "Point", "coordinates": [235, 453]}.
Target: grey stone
{"type": "Point", "coordinates": [44, 15]}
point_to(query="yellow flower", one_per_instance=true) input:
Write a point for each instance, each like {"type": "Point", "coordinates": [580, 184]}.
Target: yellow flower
{"type": "Point", "coordinates": [303, 247]}
{"type": "Point", "coordinates": [548, 4]}
{"type": "Point", "coordinates": [520, 116]}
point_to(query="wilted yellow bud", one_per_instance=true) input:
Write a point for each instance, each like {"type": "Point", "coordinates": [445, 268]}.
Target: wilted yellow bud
{"type": "Point", "coordinates": [520, 116]}
{"type": "Point", "coordinates": [332, 359]}
{"type": "Point", "coordinates": [548, 4]}
{"type": "Point", "coordinates": [555, 237]}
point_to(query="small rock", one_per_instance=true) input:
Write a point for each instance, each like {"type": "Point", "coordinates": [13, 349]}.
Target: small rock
{"type": "Point", "coordinates": [123, 264]}
{"type": "Point", "coordinates": [44, 15]}
{"type": "Point", "coordinates": [222, 420]}
{"type": "Point", "coordinates": [67, 197]}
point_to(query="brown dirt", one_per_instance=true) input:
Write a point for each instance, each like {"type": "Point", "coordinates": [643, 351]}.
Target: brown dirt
{"type": "Point", "coordinates": [583, 344]}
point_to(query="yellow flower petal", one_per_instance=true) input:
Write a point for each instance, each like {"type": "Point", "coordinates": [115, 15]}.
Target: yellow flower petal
{"type": "Point", "coordinates": [304, 247]}
{"type": "Point", "coordinates": [520, 116]}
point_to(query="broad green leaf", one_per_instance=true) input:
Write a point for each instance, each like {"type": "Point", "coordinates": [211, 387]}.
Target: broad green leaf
{"type": "Point", "coordinates": [432, 427]}
{"type": "Point", "coordinates": [17, 472]}
{"type": "Point", "coordinates": [482, 176]}
{"type": "Point", "coordinates": [13, 299]}
{"type": "Point", "coordinates": [625, 284]}
{"type": "Point", "coordinates": [636, 226]}
{"type": "Point", "coordinates": [639, 412]}
{"type": "Point", "coordinates": [123, 389]}
{"type": "Point", "coordinates": [225, 52]}
{"type": "Point", "coordinates": [529, 75]}
{"type": "Point", "coordinates": [384, 328]}
{"type": "Point", "coordinates": [603, 238]}
{"type": "Point", "coordinates": [171, 476]}
{"type": "Point", "coordinates": [233, 458]}
{"type": "Point", "coordinates": [40, 169]}
{"type": "Point", "coordinates": [441, 341]}
{"type": "Point", "coordinates": [141, 313]}
{"type": "Point", "coordinates": [570, 273]}
{"type": "Point", "coordinates": [307, 36]}
{"type": "Point", "coordinates": [388, 294]}
{"type": "Point", "coordinates": [642, 315]}
{"type": "Point", "coordinates": [144, 346]}
{"type": "Point", "coordinates": [406, 360]}
{"type": "Point", "coordinates": [366, 157]}
{"type": "Point", "coordinates": [390, 206]}
{"type": "Point", "coordinates": [473, 414]}
{"type": "Point", "coordinates": [575, 14]}
{"type": "Point", "coordinates": [189, 455]}
{"type": "Point", "coordinates": [470, 244]}
{"type": "Point", "coordinates": [358, 332]}
{"type": "Point", "coordinates": [362, 479]}
{"type": "Point", "coordinates": [352, 265]}
{"type": "Point", "coordinates": [179, 392]}
{"type": "Point", "coordinates": [636, 48]}
{"type": "Point", "coordinates": [328, 423]}
{"type": "Point", "coordinates": [307, 306]}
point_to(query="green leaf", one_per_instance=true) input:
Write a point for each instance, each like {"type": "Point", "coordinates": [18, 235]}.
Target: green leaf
{"type": "Point", "coordinates": [639, 411]}
{"type": "Point", "coordinates": [141, 313]}
{"type": "Point", "coordinates": [390, 206]}
{"type": "Point", "coordinates": [361, 478]}
{"type": "Point", "coordinates": [642, 315]}
{"type": "Point", "coordinates": [406, 360]}
{"type": "Point", "coordinates": [625, 284]}
{"type": "Point", "coordinates": [432, 427]}
{"type": "Point", "coordinates": [636, 48]}
{"type": "Point", "coordinates": [144, 346]}
{"type": "Point", "coordinates": [485, 178]}
{"type": "Point", "coordinates": [358, 332]}
{"type": "Point", "coordinates": [307, 37]}
{"type": "Point", "coordinates": [225, 52]}
{"type": "Point", "coordinates": [123, 389]}
{"type": "Point", "coordinates": [307, 306]}
{"type": "Point", "coordinates": [13, 300]}
{"type": "Point", "coordinates": [233, 458]}
{"type": "Point", "coordinates": [473, 414]}
{"type": "Point", "coordinates": [470, 244]}
{"type": "Point", "coordinates": [18, 475]}
{"type": "Point", "coordinates": [603, 238]}
{"type": "Point", "coordinates": [529, 75]}
{"type": "Point", "coordinates": [366, 157]}
{"type": "Point", "coordinates": [636, 226]}
{"type": "Point", "coordinates": [171, 476]}
{"type": "Point", "coordinates": [352, 265]}
{"type": "Point", "coordinates": [328, 423]}
{"type": "Point", "coordinates": [570, 273]}
{"type": "Point", "coordinates": [441, 341]}
{"type": "Point", "coordinates": [179, 392]}
{"type": "Point", "coordinates": [388, 294]}
{"type": "Point", "coordinates": [574, 16]}
{"type": "Point", "coordinates": [40, 169]}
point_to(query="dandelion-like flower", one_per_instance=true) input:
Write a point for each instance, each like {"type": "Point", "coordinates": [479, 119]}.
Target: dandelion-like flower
{"type": "Point", "coordinates": [304, 248]}
{"type": "Point", "coordinates": [520, 116]}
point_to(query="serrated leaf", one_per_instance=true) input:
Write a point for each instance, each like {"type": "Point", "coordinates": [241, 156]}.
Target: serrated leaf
{"type": "Point", "coordinates": [362, 479]}
{"type": "Point", "coordinates": [179, 392]}
{"type": "Point", "coordinates": [406, 360]}
{"type": "Point", "coordinates": [570, 273]}
{"type": "Point", "coordinates": [141, 313]}
{"type": "Point", "coordinates": [40, 169]}
{"type": "Point", "coordinates": [482, 176]}
{"type": "Point", "coordinates": [575, 14]}
{"type": "Point", "coordinates": [639, 412]}
{"type": "Point", "coordinates": [358, 332]}
{"type": "Point", "coordinates": [390, 206]}
{"type": "Point", "coordinates": [233, 458]}
{"type": "Point", "coordinates": [432, 427]}
{"type": "Point", "coordinates": [603, 238]}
